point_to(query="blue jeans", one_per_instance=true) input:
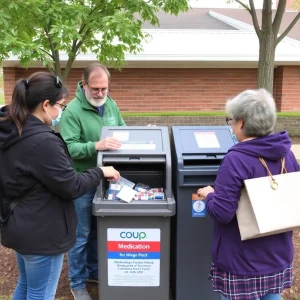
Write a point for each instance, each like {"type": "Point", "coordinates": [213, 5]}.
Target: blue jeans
{"type": "Point", "coordinates": [38, 276]}
{"type": "Point", "coordinates": [83, 257]}
{"type": "Point", "coordinates": [265, 297]}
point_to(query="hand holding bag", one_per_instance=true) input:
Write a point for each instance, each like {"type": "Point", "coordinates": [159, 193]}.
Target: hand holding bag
{"type": "Point", "coordinates": [270, 204]}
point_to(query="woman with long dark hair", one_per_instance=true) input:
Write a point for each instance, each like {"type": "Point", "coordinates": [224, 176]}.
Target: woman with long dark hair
{"type": "Point", "coordinates": [38, 184]}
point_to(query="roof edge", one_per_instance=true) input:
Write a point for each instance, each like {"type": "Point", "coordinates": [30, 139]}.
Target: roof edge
{"type": "Point", "coordinates": [230, 21]}
{"type": "Point", "coordinates": [240, 25]}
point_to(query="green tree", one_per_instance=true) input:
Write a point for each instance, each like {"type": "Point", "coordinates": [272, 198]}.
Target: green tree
{"type": "Point", "coordinates": [296, 4]}
{"type": "Point", "coordinates": [41, 29]}
{"type": "Point", "coordinates": [269, 38]}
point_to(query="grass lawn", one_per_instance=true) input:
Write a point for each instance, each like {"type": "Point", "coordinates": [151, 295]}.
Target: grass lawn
{"type": "Point", "coordinates": [1, 98]}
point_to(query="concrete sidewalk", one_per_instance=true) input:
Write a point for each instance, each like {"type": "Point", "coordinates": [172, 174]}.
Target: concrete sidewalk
{"type": "Point", "coordinates": [296, 150]}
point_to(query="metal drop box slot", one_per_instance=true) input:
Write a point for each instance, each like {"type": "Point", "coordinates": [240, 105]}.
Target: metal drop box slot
{"type": "Point", "coordinates": [145, 158]}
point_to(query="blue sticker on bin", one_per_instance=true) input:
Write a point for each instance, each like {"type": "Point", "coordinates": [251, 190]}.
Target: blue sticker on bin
{"type": "Point", "coordinates": [198, 207]}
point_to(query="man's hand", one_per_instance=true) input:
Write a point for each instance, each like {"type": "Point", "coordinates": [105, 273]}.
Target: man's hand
{"type": "Point", "coordinates": [110, 173]}
{"type": "Point", "coordinates": [109, 143]}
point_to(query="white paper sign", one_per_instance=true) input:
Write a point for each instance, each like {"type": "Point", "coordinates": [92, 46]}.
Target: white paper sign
{"type": "Point", "coordinates": [138, 145]}
{"type": "Point", "coordinates": [207, 139]}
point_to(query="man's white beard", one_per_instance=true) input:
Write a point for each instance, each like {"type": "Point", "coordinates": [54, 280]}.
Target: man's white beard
{"type": "Point", "coordinates": [96, 103]}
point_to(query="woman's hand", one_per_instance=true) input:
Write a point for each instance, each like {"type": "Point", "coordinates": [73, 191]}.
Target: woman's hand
{"type": "Point", "coordinates": [202, 193]}
{"type": "Point", "coordinates": [110, 173]}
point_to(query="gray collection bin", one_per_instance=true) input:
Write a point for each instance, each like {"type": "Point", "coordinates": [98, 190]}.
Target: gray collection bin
{"type": "Point", "coordinates": [197, 153]}
{"type": "Point", "coordinates": [134, 238]}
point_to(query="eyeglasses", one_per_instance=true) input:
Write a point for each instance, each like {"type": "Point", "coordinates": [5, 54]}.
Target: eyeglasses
{"type": "Point", "coordinates": [229, 121]}
{"type": "Point", "coordinates": [63, 106]}
{"type": "Point", "coordinates": [58, 82]}
{"type": "Point", "coordinates": [96, 91]}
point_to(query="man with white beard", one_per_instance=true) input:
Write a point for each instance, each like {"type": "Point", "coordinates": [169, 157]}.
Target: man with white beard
{"type": "Point", "coordinates": [80, 127]}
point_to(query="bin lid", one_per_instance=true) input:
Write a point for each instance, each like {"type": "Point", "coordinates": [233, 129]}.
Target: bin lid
{"type": "Point", "coordinates": [139, 139]}
{"type": "Point", "coordinates": [195, 140]}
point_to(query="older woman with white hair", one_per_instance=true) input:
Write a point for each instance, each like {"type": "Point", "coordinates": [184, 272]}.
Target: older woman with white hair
{"type": "Point", "coordinates": [259, 268]}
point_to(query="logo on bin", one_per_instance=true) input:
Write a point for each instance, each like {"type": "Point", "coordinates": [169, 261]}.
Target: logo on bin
{"type": "Point", "coordinates": [133, 235]}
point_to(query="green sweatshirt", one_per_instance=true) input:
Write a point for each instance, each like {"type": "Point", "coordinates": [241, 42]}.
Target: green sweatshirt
{"type": "Point", "coordinates": [80, 127]}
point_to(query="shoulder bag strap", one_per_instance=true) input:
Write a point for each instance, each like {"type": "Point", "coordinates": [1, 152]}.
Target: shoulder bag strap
{"type": "Point", "coordinates": [274, 184]}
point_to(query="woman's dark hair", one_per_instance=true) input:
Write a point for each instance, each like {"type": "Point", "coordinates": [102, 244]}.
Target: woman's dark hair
{"type": "Point", "coordinates": [29, 93]}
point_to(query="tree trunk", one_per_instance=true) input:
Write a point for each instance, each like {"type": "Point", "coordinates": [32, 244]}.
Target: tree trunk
{"type": "Point", "coordinates": [68, 67]}
{"type": "Point", "coordinates": [267, 45]}
{"type": "Point", "coordinates": [57, 68]}
{"type": "Point", "coordinates": [266, 63]}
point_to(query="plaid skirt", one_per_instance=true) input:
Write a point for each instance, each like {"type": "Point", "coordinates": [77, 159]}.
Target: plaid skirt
{"type": "Point", "coordinates": [236, 287]}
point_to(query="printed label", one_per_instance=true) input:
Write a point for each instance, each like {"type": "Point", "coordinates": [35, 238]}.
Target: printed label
{"type": "Point", "coordinates": [133, 257]}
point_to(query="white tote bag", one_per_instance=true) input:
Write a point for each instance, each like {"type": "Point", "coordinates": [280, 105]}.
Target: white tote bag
{"type": "Point", "coordinates": [269, 205]}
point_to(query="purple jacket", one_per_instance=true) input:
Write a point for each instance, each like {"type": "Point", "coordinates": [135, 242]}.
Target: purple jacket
{"type": "Point", "coordinates": [259, 256]}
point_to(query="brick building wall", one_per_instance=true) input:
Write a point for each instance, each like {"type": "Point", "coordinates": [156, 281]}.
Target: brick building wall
{"type": "Point", "coordinates": [290, 95]}
{"type": "Point", "coordinates": [277, 87]}
{"type": "Point", "coordinates": [180, 89]}
{"type": "Point", "coordinates": [290, 124]}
